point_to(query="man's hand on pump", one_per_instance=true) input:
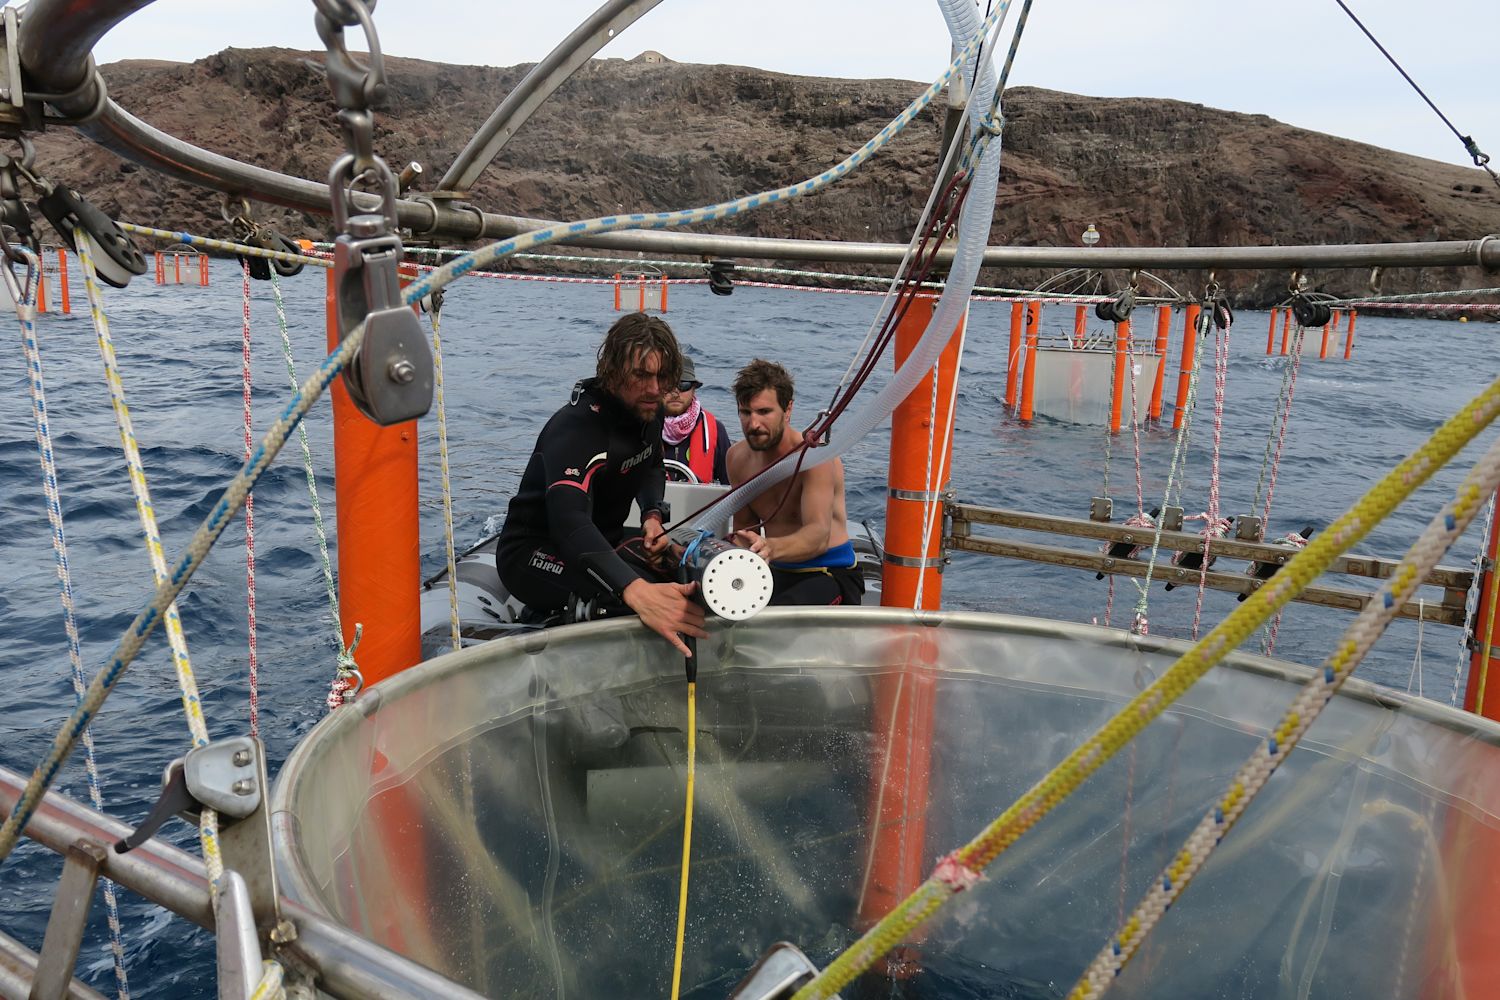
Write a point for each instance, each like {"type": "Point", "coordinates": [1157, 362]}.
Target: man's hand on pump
{"type": "Point", "coordinates": [667, 609]}
{"type": "Point", "coordinates": [755, 542]}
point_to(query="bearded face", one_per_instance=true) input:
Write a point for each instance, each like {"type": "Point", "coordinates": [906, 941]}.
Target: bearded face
{"type": "Point", "coordinates": [763, 421]}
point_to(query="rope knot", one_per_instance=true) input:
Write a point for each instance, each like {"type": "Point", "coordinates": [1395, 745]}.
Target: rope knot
{"type": "Point", "coordinates": [955, 874]}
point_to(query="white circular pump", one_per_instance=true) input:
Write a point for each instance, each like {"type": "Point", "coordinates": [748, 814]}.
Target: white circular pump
{"type": "Point", "coordinates": [735, 583]}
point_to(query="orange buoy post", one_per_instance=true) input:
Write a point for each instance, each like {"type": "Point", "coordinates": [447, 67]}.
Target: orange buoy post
{"type": "Point", "coordinates": [904, 696]}
{"type": "Point", "coordinates": [1323, 351]}
{"type": "Point", "coordinates": [1271, 334]}
{"type": "Point", "coordinates": [203, 270]}
{"type": "Point", "coordinates": [617, 293]}
{"type": "Point", "coordinates": [1286, 329]}
{"type": "Point", "coordinates": [62, 279]}
{"type": "Point", "coordinates": [1122, 358]}
{"type": "Point", "coordinates": [1348, 334]}
{"type": "Point", "coordinates": [1335, 319]}
{"type": "Point", "coordinates": [1017, 319]}
{"type": "Point", "coordinates": [380, 577]}
{"type": "Point", "coordinates": [1163, 331]}
{"type": "Point", "coordinates": [41, 285]}
{"type": "Point", "coordinates": [1080, 326]}
{"type": "Point", "coordinates": [1185, 370]}
{"type": "Point", "coordinates": [380, 558]}
{"type": "Point", "coordinates": [664, 293]}
{"type": "Point", "coordinates": [1471, 850]}
{"type": "Point", "coordinates": [1482, 696]}
{"type": "Point", "coordinates": [1028, 376]}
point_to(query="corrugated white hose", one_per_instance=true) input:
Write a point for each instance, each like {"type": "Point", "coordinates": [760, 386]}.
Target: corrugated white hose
{"type": "Point", "coordinates": [973, 236]}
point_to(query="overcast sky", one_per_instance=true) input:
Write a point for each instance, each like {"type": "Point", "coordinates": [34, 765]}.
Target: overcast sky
{"type": "Point", "coordinates": [1300, 61]}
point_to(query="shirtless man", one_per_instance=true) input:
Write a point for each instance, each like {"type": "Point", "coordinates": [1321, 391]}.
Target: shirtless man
{"type": "Point", "coordinates": [806, 534]}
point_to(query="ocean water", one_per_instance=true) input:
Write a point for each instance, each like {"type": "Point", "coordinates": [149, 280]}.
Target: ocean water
{"type": "Point", "coordinates": [512, 351]}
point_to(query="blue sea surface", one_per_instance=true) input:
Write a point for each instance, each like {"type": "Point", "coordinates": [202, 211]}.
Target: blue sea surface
{"type": "Point", "coordinates": [512, 350]}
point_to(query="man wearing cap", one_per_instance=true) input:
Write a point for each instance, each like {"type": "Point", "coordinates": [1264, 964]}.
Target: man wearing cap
{"type": "Point", "coordinates": [691, 435]}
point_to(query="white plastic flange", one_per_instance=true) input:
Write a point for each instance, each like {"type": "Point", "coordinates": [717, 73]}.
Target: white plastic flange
{"type": "Point", "coordinates": [736, 584]}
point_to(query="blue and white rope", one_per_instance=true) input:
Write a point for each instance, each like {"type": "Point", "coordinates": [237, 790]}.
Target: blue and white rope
{"type": "Point", "coordinates": [26, 313]}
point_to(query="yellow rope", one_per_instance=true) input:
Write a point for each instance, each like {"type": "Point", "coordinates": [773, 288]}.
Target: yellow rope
{"type": "Point", "coordinates": [960, 869]}
{"type": "Point", "coordinates": [687, 835]}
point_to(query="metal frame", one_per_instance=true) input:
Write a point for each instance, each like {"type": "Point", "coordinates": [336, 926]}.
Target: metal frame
{"type": "Point", "coordinates": [57, 35]}
{"type": "Point", "coordinates": [1449, 611]}
{"type": "Point", "coordinates": [346, 964]}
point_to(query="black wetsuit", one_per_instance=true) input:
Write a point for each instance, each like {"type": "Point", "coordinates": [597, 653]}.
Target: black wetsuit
{"type": "Point", "coordinates": [567, 519]}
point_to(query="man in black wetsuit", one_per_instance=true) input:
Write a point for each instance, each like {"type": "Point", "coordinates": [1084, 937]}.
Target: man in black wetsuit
{"type": "Point", "coordinates": [565, 529]}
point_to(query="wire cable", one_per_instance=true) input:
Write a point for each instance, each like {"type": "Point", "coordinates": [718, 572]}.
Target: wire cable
{"type": "Point", "coordinates": [1471, 147]}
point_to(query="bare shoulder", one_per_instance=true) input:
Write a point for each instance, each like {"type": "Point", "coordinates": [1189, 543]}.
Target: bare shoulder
{"type": "Point", "coordinates": [735, 460]}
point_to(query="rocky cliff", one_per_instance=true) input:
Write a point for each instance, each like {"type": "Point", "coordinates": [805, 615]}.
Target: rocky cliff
{"type": "Point", "coordinates": [645, 135]}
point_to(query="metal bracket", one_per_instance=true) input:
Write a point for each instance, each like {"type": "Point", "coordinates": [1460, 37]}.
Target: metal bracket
{"type": "Point", "coordinates": [1171, 518]}
{"type": "Point", "coordinates": [16, 115]}
{"type": "Point", "coordinates": [229, 777]}
{"type": "Point", "coordinates": [1101, 509]}
{"type": "Point", "coordinates": [1247, 528]}
{"type": "Point", "coordinates": [781, 971]}
{"type": "Point", "coordinates": [391, 377]}
{"type": "Point", "coordinates": [66, 923]}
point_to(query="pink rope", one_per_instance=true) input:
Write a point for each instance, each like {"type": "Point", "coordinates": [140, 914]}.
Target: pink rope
{"type": "Point", "coordinates": [249, 511]}
{"type": "Point", "coordinates": [1215, 527]}
{"type": "Point", "coordinates": [1286, 417]}
{"type": "Point", "coordinates": [957, 876]}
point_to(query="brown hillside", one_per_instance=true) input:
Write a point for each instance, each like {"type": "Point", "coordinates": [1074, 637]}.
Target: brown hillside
{"type": "Point", "coordinates": [638, 135]}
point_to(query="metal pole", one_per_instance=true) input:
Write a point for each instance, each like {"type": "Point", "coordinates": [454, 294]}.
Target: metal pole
{"type": "Point", "coordinates": [347, 964]}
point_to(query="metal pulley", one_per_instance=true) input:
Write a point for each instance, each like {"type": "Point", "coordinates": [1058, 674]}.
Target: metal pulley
{"type": "Point", "coordinates": [1117, 309]}
{"type": "Point", "coordinates": [117, 259]}
{"type": "Point", "coordinates": [390, 377]}
{"type": "Point", "coordinates": [1310, 312]}
{"type": "Point", "coordinates": [266, 238]}
{"type": "Point", "coordinates": [735, 583]}
{"type": "Point", "coordinates": [721, 277]}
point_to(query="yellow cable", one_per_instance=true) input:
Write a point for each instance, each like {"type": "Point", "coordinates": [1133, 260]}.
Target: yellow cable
{"type": "Point", "coordinates": [962, 867]}
{"type": "Point", "coordinates": [687, 835]}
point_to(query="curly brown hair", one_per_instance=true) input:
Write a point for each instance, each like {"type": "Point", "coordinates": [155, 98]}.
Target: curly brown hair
{"type": "Point", "coordinates": [632, 337]}
{"type": "Point", "coordinates": [760, 375]}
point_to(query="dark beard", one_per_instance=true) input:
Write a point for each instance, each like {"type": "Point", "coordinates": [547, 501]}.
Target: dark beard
{"type": "Point", "coordinates": [770, 442]}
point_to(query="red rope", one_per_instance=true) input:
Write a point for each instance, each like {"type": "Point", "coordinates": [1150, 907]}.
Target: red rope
{"type": "Point", "coordinates": [249, 510]}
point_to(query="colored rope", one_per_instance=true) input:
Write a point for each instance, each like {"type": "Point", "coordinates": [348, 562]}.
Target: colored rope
{"type": "Point", "coordinates": [1176, 468]}
{"type": "Point", "coordinates": [246, 384]}
{"type": "Point", "coordinates": [1280, 414]}
{"type": "Point", "coordinates": [687, 836]}
{"type": "Point", "coordinates": [1471, 602]}
{"type": "Point", "coordinates": [26, 313]}
{"type": "Point", "coordinates": [1298, 338]}
{"type": "Point", "coordinates": [932, 487]}
{"type": "Point", "coordinates": [442, 416]}
{"type": "Point", "coordinates": [275, 437]}
{"type": "Point", "coordinates": [1215, 526]}
{"type": "Point", "coordinates": [228, 246]}
{"type": "Point", "coordinates": [1253, 775]}
{"type": "Point", "coordinates": [187, 684]}
{"type": "Point", "coordinates": [1486, 642]}
{"type": "Point", "coordinates": [346, 669]}
{"type": "Point", "coordinates": [970, 860]}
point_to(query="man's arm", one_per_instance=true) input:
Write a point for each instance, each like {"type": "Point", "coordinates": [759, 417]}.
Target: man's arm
{"type": "Point", "coordinates": [815, 511]}
{"type": "Point", "coordinates": [573, 453]}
